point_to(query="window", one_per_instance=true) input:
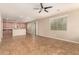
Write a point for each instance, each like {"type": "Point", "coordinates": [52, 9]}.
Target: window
{"type": "Point", "coordinates": [59, 23]}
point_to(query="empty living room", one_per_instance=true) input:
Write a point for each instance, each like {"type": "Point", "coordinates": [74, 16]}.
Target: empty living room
{"type": "Point", "coordinates": [39, 29]}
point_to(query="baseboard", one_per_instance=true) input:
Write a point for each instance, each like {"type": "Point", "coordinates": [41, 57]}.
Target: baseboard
{"type": "Point", "coordinates": [60, 39]}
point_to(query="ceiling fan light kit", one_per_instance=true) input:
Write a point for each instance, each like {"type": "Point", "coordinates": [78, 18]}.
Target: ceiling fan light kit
{"type": "Point", "coordinates": [44, 8]}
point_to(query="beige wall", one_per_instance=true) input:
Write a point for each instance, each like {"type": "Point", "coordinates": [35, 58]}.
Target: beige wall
{"type": "Point", "coordinates": [72, 33]}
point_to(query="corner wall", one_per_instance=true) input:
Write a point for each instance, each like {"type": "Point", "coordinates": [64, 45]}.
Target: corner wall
{"type": "Point", "coordinates": [1, 28]}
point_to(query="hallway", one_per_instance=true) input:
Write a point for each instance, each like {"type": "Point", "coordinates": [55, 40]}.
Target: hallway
{"type": "Point", "coordinates": [22, 45]}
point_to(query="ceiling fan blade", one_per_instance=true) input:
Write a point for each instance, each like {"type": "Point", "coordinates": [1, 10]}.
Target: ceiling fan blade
{"type": "Point", "coordinates": [36, 8]}
{"type": "Point", "coordinates": [45, 10]}
{"type": "Point", "coordinates": [40, 10]}
{"type": "Point", "coordinates": [41, 5]}
{"type": "Point", "coordinates": [48, 7]}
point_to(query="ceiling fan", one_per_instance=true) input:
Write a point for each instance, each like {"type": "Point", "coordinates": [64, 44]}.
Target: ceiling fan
{"type": "Point", "coordinates": [44, 8]}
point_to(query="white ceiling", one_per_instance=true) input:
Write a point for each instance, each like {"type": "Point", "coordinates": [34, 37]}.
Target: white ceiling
{"type": "Point", "coordinates": [22, 11]}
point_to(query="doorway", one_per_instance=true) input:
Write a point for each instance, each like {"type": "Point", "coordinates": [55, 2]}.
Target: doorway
{"type": "Point", "coordinates": [31, 28]}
